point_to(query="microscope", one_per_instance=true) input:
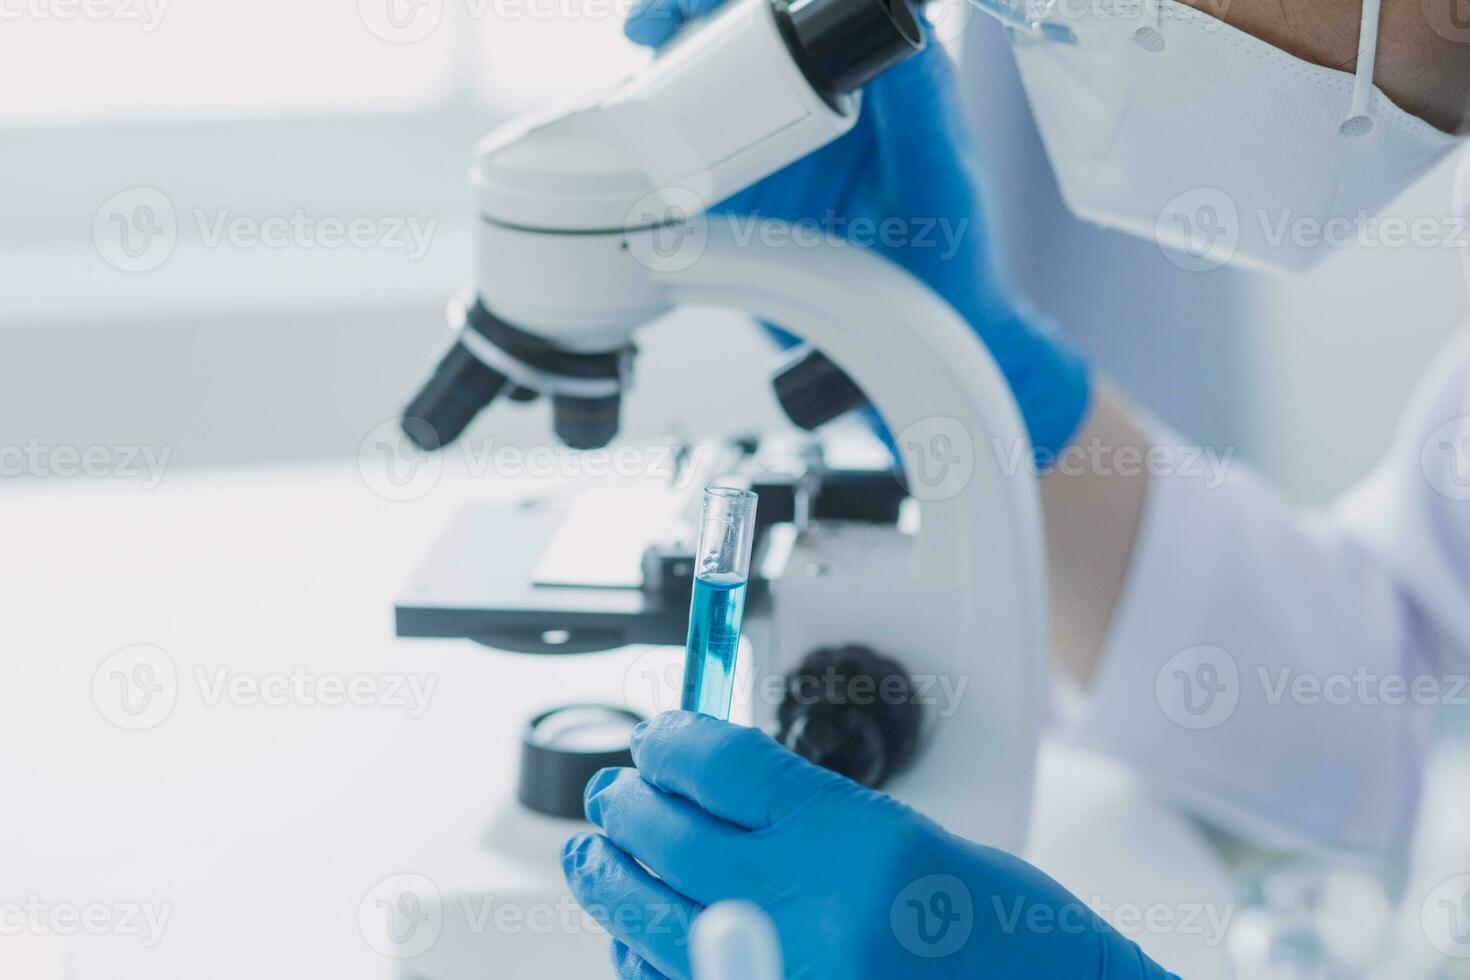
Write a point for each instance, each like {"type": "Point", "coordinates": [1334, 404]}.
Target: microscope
{"type": "Point", "coordinates": [593, 222]}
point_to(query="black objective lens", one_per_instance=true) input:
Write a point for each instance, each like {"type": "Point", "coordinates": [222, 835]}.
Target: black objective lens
{"type": "Point", "coordinates": [586, 423]}
{"type": "Point", "coordinates": [812, 390]}
{"type": "Point", "coordinates": [460, 387]}
{"type": "Point", "coordinates": [841, 45]}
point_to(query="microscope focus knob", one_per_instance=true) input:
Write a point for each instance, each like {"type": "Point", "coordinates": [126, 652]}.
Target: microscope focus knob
{"type": "Point", "coordinates": [852, 711]}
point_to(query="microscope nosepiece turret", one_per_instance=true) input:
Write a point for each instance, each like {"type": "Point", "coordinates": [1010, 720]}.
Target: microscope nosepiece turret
{"type": "Point", "coordinates": [489, 357]}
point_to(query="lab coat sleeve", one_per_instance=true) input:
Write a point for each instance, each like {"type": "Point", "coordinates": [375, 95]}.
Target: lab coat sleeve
{"type": "Point", "coordinates": [1275, 671]}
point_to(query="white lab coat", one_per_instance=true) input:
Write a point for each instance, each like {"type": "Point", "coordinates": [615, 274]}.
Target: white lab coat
{"type": "Point", "coordinates": [1372, 595]}
{"type": "Point", "coordinates": [1378, 584]}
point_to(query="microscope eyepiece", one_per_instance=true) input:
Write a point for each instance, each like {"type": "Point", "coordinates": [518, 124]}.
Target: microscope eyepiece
{"type": "Point", "coordinates": [841, 45]}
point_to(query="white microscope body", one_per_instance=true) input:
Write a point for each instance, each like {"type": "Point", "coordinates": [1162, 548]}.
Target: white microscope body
{"type": "Point", "coordinates": [594, 223]}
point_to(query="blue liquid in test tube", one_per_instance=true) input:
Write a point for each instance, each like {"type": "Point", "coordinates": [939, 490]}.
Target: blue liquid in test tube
{"type": "Point", "coordinates": [721, 571]}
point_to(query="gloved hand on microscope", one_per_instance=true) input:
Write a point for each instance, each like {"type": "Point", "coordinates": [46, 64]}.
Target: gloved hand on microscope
{"type": "Point", "coordinates": [909, 178]}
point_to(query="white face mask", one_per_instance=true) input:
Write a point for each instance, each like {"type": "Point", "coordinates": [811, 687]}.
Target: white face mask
{"type": "Point", "coordinates": [1167, 123]}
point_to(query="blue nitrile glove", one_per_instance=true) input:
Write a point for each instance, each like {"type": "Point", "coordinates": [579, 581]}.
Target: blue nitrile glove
{"type": "Point", "coordinates": [909, 157]}
{"type": "Point", "coordinates": [857, 884]}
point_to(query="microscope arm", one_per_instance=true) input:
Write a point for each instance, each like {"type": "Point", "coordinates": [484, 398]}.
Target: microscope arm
{"type": "Point", "coordinates": [980, 546]}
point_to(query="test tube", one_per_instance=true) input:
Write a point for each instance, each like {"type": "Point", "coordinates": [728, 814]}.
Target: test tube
{"type": "Point", "coordinates": [721, 570]}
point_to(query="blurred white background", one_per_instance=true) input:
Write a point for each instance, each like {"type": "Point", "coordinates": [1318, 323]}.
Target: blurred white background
{"type": "Point", "coordinates": [248, 352]}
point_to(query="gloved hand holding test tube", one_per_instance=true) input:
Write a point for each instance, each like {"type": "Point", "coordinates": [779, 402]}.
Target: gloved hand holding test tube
{"type": "Point", "coordinates": [721, 570]}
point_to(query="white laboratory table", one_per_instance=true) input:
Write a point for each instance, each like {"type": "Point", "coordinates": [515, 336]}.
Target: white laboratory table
{"type": "Point", "coordinates": [260, 830]}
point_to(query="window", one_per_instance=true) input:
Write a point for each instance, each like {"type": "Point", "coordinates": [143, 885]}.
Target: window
{"type": "Point", "coordinates": [261, 110]}
{"type": "Point", "coordinates": [88, 61]}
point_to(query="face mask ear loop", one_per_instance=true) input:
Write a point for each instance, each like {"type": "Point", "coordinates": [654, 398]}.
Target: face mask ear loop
{"type": "Point", "coordinates": [1359, 121]}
